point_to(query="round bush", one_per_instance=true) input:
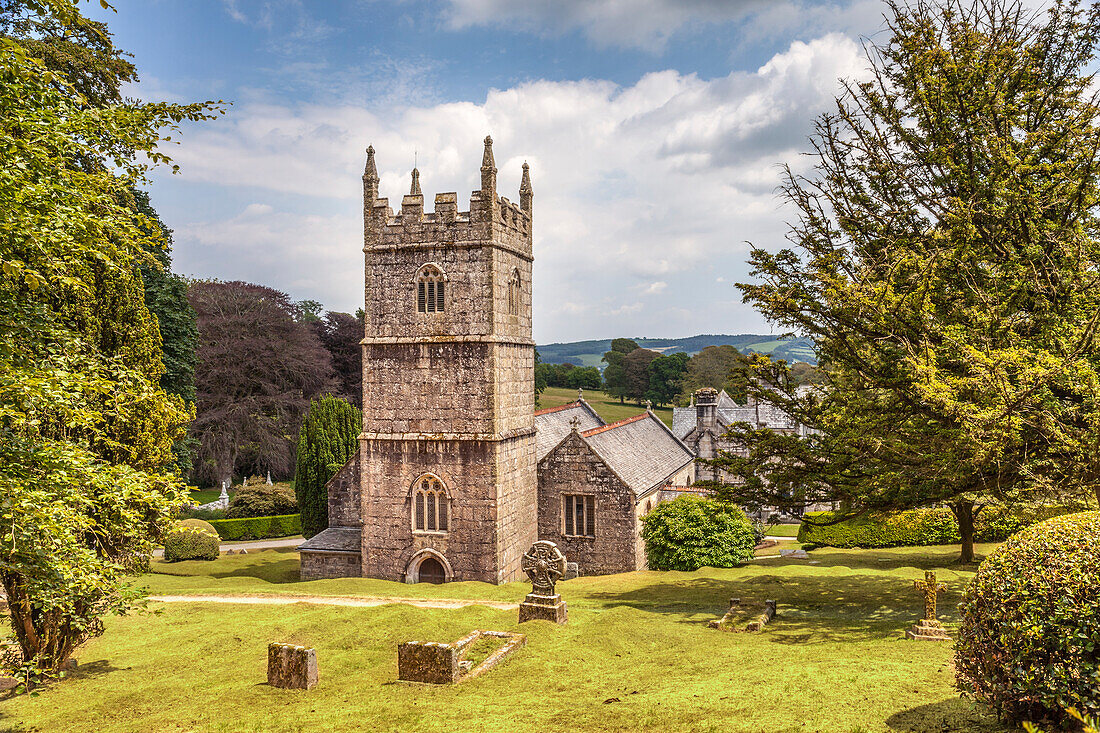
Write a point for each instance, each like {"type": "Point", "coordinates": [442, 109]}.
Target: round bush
{"type": "Point", "coordinates": [1029, 643]}
{"type": "Point", "coordinates": [262, 501]}
{"type": "Point", "coordinates": [191, 539]}
{"type": "Point", "coordinates": [688, 533]}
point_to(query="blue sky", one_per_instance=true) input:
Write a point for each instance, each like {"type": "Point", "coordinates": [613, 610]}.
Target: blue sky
{"type": "Point", "coordinates": [655, 130]}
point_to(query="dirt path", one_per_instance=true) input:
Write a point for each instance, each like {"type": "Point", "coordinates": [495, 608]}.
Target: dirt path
{"type": "Point", "coordinates": [359, 601]}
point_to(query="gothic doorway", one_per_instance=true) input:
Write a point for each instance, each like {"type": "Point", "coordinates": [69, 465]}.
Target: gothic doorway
{"type": "Point", "coordinates": [431, 571]}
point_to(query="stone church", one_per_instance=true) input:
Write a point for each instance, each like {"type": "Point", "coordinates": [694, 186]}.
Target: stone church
{"type": "Point", "coordinates": [456, 475]}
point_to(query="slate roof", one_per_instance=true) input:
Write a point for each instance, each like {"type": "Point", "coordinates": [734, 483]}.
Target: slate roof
{"type": "Point", "coordinates": [760, 415]}
{"type": "Point", "coordinates": [335, 539]}
{"type": "Point", "coordinates": [553, 424]}
{"type": "Point", "coordinates": [640, 449]}
{"type": "Point", "coordinates": [683, 421]}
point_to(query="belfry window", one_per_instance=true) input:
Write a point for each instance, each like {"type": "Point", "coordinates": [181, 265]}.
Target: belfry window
{"type": "Point", "coordinates": [430, 506]}
{"type": "Point", "coordinates": [429, 290]}
{"type": "Point", "coordinates": [578, 515]}
{"type": "Point", "coordinates": [514, 293]}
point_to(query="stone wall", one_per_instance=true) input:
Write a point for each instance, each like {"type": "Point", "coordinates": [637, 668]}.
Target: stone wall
{"type": "Point", "coordinates": [343, 495]}
{"type": "Point", "coordinates": [317, 565]}
{"type": "Point", "coordinates": [574, 468]}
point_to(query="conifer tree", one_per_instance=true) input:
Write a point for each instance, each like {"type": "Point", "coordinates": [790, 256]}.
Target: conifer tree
{"type": "Point", "coordinates": [329, 437]}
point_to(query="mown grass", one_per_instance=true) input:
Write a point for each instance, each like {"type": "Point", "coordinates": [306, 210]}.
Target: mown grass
{"type": "Point", "coordinates": [635, 656]}
{"type": "Point", "coordinates": [608, 408]}
{"type": "Point", "coordinates": [783, 530]}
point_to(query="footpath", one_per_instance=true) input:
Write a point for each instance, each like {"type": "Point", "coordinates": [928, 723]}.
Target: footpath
{"type": "Point", "coordinates": [357, 601]}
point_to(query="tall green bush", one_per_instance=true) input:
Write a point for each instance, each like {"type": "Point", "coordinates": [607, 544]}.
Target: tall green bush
{"type": "Point", "coordinates": [262, 501]}
{"type": "Point", "coordinates": [688, 533]}
{"type": "Point", "coordinates": [1029, 642]}
{"type": "Point", "coordinates": [191, 539]}
{"type": "Point", "coordinates": [327, 440]}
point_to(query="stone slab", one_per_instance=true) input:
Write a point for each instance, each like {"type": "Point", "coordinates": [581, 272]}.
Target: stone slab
{"type": "Point", "coordinates": [291, 667]}
{"type": "Point", "coordinates": [543, 608]}
{"type": "Point", "coordinates": [928, 630]}
{"type": "Point", "coordinates": [427, 661]}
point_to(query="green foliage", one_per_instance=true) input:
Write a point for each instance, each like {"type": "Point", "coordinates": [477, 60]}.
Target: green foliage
{"type": "Point", "coordinates": [191, 539]}
{"type": "Point", "coordinates": [329, 437]}
{"type": "Point", "coordinates": [917, 527]}
{"type": "Point", "coordinates": [689, 532]}
{"type": "Point", "coordinates": [945, 267]}
{"type": "Point", "coordinates": [665, 373]}
{"type": "Point", "coordinates": [258, 528]}
{"type": "Point", "coordinates": [897, 529]}
{"type": "Point", "coordinates": [86, 432]}
{"type": "Point", "coordinates": [614, 374]}
{"type": "Point", "coordinates": [1029, 642]}
{"type": "Point", "coordinates": [719, 367]}
{"type": "Point", "coordinates": [262, 500]}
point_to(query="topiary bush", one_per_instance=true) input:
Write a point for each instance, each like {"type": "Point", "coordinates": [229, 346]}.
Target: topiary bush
{"type": "Point", "coordinates": [918, 527]}
{"type": "Point", "coordinates": [191, 539]}
{"type": "Point", "coordinates": [258, 528]}
{"type": "Point", "coordinates": [262, 501]}
{"type": "Point", "coordinates": [689, 532]}
{"type": "Point", "coordinates": [1029, 642]}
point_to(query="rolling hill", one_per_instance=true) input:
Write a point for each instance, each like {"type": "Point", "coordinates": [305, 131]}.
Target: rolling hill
{"type": "Point", "coordinates": [589, 353]}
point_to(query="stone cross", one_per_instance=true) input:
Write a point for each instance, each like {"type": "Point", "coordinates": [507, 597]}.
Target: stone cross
{"type": "Point", "coordinates": [544, 565]}
{"type": "Point", "coordinates": [929, 587]}
{"type": "Point", "coordinates": [580, 393]}
{"type": "Point", "coordinates": [648, 405]}
{"type": "Point", "coordinates": [269, 478]}
{"type": "Point", "coordinates": [575, 424]}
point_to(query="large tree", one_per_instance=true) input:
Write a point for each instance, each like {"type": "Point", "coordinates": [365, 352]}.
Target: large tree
{"type": "Point", "coordinates": [340, 334]}
{"type": "Point", "coordinates": [86, 430]}
{"type": "Point", "coordinates": [948, 269]}
{"type": "Point", "coordinates": [259, 366]}
{"type": "Point", "coordinates": [636, 373]}
{"type": "Point", "coordinates": [665, 373]}
{"type": "Point", "coordinates": [614, 374]}
{"type": "Point", "coordinates": [329, 437]}
{"type": "Point", "coordinates": [719, 367]}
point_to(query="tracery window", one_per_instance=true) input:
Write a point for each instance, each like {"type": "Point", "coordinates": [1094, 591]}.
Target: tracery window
{"type": "Point", "coordinates": [514, 293]}
{"type": "Point", "coordinates": [430, 283]}
{"type": "Point", "coordinates": [430, 506]}
{"type": "Point", "coordinates": [578, 515]}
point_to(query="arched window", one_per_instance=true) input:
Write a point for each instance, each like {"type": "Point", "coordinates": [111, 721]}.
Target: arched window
{"type": "Point", "coordinates": [514, 293]}
{"type": "Point", "coordinates": [430, 506]}
{"type": "Point", "coordinates": [430, 282]}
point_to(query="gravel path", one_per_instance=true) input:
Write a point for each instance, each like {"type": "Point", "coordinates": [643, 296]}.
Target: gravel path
{"type": "Point", "coordinates": [358, 601]}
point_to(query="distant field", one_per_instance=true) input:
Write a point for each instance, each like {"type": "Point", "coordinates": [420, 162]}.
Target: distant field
{"type": "Point", "coordinates": [607, 407]}
{"type": "Point", "coordinates": [590, 353]}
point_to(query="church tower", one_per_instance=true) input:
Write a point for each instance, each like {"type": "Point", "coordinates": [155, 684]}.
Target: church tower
{"type": "Point", "coordinates": [447, 454]}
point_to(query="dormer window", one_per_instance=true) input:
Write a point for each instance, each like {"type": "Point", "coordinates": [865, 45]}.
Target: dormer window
{"type": "Point", "coordinates": [430, 283]}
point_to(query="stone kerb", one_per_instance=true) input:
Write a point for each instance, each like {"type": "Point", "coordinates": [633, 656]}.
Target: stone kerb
{"type": "Point", "coordinates": [440, 664]}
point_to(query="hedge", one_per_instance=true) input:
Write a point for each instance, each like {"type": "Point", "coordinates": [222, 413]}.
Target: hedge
{"type": "Point", "coordinates": [258, 528]}
{"type": "Point", "coordinates": [918, 527]}
{"type": "Point", "coordinates": [191, 539]}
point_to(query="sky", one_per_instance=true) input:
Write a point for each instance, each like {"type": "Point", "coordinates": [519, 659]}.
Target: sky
{"type": "Point", "coordinates": [656, 132]}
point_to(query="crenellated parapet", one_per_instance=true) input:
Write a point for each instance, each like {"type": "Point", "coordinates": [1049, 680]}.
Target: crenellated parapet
{"type": "Point", "coordinates": [490, 217]}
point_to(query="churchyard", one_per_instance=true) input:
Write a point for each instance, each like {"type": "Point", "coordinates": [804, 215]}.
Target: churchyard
{"type": "Point", "coordinates": [636, 654]}
{"type": "Point", "coordinates": [609, 408]}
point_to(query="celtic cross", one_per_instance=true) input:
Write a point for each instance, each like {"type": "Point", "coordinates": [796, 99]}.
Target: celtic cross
{"type": "Point", "coordinates": [929, 587]}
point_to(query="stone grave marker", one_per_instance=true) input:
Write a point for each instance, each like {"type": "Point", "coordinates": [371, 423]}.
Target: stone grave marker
{"type": "Point", "coordinates": [928, 628]}
{"type": "Point", "coordinates": [544, 565]}
{"type": "Point", "coordinates": [291, 667]}
{"type": "Point", "coordinates": [442, 664]}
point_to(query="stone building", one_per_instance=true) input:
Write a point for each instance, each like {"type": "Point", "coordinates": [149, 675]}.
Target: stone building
{"type": "Point", "coordinates": [456, 476]}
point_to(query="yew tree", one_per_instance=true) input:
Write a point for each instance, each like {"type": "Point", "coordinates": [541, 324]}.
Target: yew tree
{"type": "Point", "coordinates": [947, 265]}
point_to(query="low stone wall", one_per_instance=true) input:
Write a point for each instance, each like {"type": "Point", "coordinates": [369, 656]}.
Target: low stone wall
{"type": "Point", "coordinates": [441, 664]}
{"type": "Point", "coordinates": [317, 565]}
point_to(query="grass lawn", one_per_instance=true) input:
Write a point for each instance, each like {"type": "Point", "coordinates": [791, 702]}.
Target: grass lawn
{"type": "Point", "coordinates": [607, 407]}
{"type": "Point", "coordinates": [783, 530]}
{"type": "Point", "coordinates": [635, 656]}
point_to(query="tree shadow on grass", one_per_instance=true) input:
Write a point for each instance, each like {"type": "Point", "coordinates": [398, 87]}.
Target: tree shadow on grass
{"type": "Point", "coordinates": [953, 715]}
{"type": "Point", "coordinates": [810, 608]}
{"type": "Point", "coordinates": [257, 564]}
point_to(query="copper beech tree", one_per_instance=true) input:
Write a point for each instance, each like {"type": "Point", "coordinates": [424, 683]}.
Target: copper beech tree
{"type": "Point", "coordinates": [946, 263]}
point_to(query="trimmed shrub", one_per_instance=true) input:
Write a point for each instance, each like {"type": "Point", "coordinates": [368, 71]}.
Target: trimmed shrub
{"type": "Point", "coordinates": [262, 501]}
{"type": "Point", "coordinates": [1029, 642]}
{"type": "Point", "coordinates": [257, 528]}
{"type": "Point", "coordinates": [329, 437]}
{"type": "Point", "coordinates": [917, 527]}
{"type": "Point", "coordinates": [191, 539]}
{"type": "Point", "coordinates": [900, 529]}
{"type": "Point", "coordinates": [689, 532]}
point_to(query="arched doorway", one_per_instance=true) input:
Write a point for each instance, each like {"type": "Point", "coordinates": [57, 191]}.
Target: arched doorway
{"type": "Point", "coordinates": [431, 571]}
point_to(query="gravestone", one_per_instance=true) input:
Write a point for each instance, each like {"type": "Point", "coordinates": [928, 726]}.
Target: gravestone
{"type": "Point", "coordinates": [928, 628]}
{"type": "Point", "coordinates": [572, 570]}
{"type": "Point", "coordinates": [544, 565]}
{"type": "Point", "coordinates": [762, 620]}
{"type": "Point", "coordinates": [291, 667]}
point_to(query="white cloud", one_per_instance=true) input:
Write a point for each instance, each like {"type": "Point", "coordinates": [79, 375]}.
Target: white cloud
{"type": "Point", "coordinates": [649, 188]}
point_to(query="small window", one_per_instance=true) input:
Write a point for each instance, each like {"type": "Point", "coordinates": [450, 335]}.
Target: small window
{"type": "Point", "coordinates": [429, 290]}
{"type": "Point", "coordinates": [579, 515]}
{"type": "Point", "coordinates": [430, 508]}
{"type": "Point", "coordinates": [514, 293]}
